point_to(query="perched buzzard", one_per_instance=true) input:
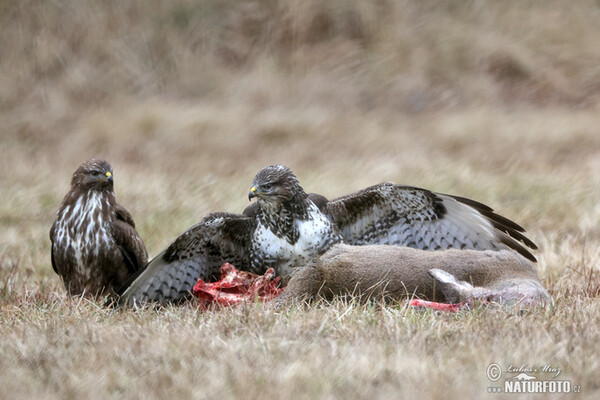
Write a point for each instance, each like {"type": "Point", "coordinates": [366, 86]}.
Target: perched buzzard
{"type": "Point", "coordinates": [286, 228]}
{"type": "Point", "coordinates": [95, 247]}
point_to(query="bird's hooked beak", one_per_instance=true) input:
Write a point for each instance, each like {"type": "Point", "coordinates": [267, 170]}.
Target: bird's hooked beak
{"type": "Point", "coordinates": [252, 193]}
{"type": "Point", "coordinates": [109, 177]}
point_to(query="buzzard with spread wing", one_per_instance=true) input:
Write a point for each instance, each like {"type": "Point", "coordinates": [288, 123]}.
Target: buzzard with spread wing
{"type": "Point", "coordinates": [286, 228]}
{"type": "Point", "coordinates": [95, 247]}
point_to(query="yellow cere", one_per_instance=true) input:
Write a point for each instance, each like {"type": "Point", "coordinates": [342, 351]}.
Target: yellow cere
{"type": "Point", "coordinates": [253, 189]}
{"type": "Point", "coordinates": [108, 174]}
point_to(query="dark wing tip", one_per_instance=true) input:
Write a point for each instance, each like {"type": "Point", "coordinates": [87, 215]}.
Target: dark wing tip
{"type": "Point", "coordinates": [470, 202]}
{"type": "Point", "coordinates": [511, 233]}
{"type": "Point", "coordinates": [514, 234]}
{"type": "Point", "coordinates": [513, 244]}
{"type": "Point", "coordinates": [499, 222]}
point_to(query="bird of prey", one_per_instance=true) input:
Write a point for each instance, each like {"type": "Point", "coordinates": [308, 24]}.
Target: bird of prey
{"type": "Point", "coordinates": [95, 247]}
{"type": "Point", "coordinates": [286, 228]}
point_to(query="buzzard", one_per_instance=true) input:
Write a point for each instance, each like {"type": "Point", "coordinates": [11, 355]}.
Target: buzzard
{"type": "Point", "coordinates": [286, 228]}
{"type": "Point", "coordinates": [95, 247]}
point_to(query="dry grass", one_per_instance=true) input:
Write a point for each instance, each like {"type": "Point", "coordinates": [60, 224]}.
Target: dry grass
{"type": "Point", "coordinates": [497, 101]}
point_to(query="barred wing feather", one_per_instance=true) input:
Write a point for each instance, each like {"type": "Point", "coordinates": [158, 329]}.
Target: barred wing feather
{"type": "Point", "coordinates": [415, 217]}
{"type": "Point", "coordinates": [197, 253]}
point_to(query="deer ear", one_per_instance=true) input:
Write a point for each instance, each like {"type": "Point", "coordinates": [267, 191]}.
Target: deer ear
{"type": "Point", "coordinates": [455, 291]}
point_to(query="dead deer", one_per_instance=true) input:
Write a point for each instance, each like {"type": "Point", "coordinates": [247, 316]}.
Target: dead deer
{"type": "Point", "coordinates": [393, 272]}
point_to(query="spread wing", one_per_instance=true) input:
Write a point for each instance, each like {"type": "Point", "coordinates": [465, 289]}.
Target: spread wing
{"type": "Point", "coordinates": [197, 253]}
{"type": "Point", "coordinates": [415, 217]}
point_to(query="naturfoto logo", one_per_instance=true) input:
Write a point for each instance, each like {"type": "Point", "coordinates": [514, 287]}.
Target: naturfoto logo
{"type": "Point", "coordinates": [529, 379]}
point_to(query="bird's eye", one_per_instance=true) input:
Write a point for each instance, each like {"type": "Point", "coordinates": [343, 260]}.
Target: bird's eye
{"type": "Point", "coordinates": [267, 186]}
{"type": "Point", "coordinates": [95, 173]}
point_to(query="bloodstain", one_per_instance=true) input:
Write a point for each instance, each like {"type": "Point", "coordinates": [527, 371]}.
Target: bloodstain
{"type": "Point", "coordinates": [237, 287]}
{"type": "Point", "coordinates": [436, 306]}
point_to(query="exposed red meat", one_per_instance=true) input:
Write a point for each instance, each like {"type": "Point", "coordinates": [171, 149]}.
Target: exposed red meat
{"type": "Point", "coordinates": [237, 286]}
{"type": "Point", "coordinates": [436, 306]}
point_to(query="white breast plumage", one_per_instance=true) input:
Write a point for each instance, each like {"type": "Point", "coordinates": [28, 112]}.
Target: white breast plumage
{"type": "Point", "coordinates": [81, 229]}
{"type": "Point", "coordinates": [315, 236]}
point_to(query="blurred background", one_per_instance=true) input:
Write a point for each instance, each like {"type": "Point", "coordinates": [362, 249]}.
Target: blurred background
{"type": "Point", "coordinates": [497, 101]}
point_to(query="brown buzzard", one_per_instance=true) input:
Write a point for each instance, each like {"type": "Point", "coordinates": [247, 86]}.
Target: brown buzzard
{"type": "Point", "coordinates": [286, 228]}
{"type": "Point", "coordinates": [95, 247]}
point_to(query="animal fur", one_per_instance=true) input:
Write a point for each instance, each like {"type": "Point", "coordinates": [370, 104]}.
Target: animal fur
{"type": "Point", "coordinates": [393, 272]}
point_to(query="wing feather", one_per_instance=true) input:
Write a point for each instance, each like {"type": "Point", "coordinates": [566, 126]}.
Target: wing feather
{"type": "Point", "coordinates": [52, 236]}
{"type": "Point", "coordinates": [128, 240]}
{"type": "Point", "coordinates": [501, 223]}
{"type": "Point", "coordinates": [130, 244]}
{"type": "Point", "coordinates": [415, 217]}
{"type": "Point", "coordinates": [197, 253]}
{"type": "Point", "coordinates": [124, 215]}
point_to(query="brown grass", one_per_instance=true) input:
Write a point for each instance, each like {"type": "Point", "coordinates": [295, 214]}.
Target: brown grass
{"type": "Point", "coordinates": [497, 101]}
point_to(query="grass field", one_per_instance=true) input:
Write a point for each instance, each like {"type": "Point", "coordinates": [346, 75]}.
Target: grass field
{"type": "Point", "coordinates": [496, 101]}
